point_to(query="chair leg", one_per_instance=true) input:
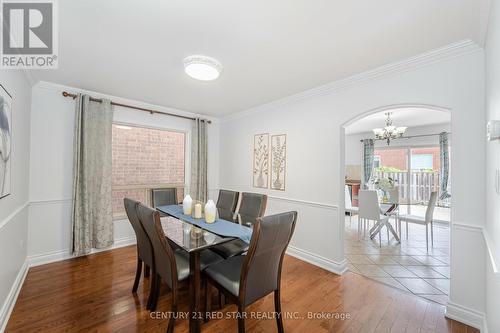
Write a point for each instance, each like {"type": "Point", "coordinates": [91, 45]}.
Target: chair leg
{"type": "Point", "coordinates": [432, 234]}
{"type": "Point", "coordinates": [152, 291]}
{"type": "Point", "coordinates": [137, 275]}
{"type": "Point", "coordinates": [208, 300]}
{"type": "Point", "coordinates": [156, 293]}
{"type": "Point", "coordinates": [146, 271]}
{"type": "Point", "coordinates": [387, 229]}
{"type": "Point", "coordinates": [241, 319]}
{"type": "Point", "coordinates": [380, 237]}
{"type": "Point", "coordinates": [427, 236]}
{"type": "Point", "coordinates": [221, 300]}
{"type": "Point", "coordinates": [171, 322]}
{"type": "Point", "coordinates": [277, 309]}
{"type": "Point", "coordinates": [406, 230]}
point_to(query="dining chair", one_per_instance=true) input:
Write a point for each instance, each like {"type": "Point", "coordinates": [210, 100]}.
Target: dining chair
{"type": "Point", "coordinates": [164, 196]}
{"type": "Point", "coordinates": [428, 219]}
{"type": "Point", "coordinates": [144, 248]}
{"type": "Point", "coordinates": [369, 210]}
{"type": "Point", "coordinates": [170, 266]}
{"type": "Point", "coordinates": [252, 207]}
{"type": "Point", "coordinates": [248, 278]}
{"type": "Point", "coordinates": [349, 208]}
{"type": "Point", "coordinates": [226, 204]}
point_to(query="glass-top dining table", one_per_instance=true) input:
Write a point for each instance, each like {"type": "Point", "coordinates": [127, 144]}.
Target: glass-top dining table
{"type": "Point", "coordinates": [194, 236]}
{"type": "Point", "coordinates": [388, 207]}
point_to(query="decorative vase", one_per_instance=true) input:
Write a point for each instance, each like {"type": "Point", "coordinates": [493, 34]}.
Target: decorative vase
{"type": "Point", "coordinates": [210, 211]}
{"type": "Point", "coordinates": [187, 205]}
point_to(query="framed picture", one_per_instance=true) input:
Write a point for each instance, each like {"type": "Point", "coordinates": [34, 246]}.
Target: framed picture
{"type": "Point", "coordinates": [261, 160]}
{"type": "Point", "coordinates": [5, 141]}
{"type": "Point", "coordinates": [278, 162]}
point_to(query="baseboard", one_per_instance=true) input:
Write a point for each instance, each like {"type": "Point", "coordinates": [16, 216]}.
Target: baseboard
{"type": "Point", "coordinates": [50, 257]}
{"type": "Point", "coordinates": [467, 316]}
{"type": "Point", "coordinates": [8, 306]}
{"type": "Point", "coordinates": [317, 260]}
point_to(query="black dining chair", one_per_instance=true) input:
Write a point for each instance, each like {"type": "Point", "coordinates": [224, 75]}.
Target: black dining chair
{"type": "Point", "coordinates": [170, 266]}
{"type": "Point", "coordinates": [226, 204]}
{"type": "Point", "coordinates": [144, 248]}
{"type": "Point", "coordinates": [246, 279]}
{"type": "Point", "coordinates": [164, 196]}
{"type": "Point", "coordinates": [252, 207]}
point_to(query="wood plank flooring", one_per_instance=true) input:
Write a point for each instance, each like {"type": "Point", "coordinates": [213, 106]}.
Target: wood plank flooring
{"type": "Point", "coordinates": [93, 294]}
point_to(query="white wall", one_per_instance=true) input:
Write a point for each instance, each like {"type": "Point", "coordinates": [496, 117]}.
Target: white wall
{"type": "Point", "coordinates": [315, 160]}
{"type": "Point", "coordinates": [52, 167]}
{"type": "Point", "coordinates": [492, 230]}
{"type": "Point", "coordinates": [14, 208]}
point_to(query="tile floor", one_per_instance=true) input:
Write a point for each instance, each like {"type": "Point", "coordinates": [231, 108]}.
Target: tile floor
{"type": "Point", "coordinates": [406, 266]}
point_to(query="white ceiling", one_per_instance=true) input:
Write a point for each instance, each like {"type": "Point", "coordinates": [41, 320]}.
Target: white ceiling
{"type": "Point", "coordinates": [409, 117]}
{"type": "Point", "coordinates": [269, 49]}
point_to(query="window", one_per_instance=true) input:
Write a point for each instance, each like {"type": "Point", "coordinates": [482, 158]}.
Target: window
{"type": "Point", "coordinates": [145, 158]}
{"type": "Point", "coordinates": [422, 161]}
{"type": "Point", "coordinates": [376, 161]}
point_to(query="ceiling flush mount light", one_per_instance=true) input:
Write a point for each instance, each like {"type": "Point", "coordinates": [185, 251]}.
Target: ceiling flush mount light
{"type": "Point", "coordinates": [202, 68]}
{"type": "Point", "coordinates": [389, 132]}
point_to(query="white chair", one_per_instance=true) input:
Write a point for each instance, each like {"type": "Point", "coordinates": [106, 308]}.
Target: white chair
{"type": "Point", "coordinates": [423, 221]}
{"type": "Point", "coordinates": [349, 208]}
{"type": "Point", "coordinates": [369, 210]}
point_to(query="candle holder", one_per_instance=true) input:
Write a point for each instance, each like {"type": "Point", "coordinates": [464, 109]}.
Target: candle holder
{"type": "Point", "coordinates": [197, 210]}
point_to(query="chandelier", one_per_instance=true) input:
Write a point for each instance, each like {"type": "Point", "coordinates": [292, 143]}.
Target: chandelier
{"type": "Point", "coordinates": [389, 132]}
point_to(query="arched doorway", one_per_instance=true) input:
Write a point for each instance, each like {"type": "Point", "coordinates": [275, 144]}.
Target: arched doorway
{"type": "Point", "coordinates": [413, 162]}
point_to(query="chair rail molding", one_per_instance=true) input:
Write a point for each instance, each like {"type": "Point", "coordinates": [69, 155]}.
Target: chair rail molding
{"type": "Point", "coordinates": [10, 217]}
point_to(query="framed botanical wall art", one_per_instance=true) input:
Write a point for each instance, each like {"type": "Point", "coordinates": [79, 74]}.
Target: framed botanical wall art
{"type": "Point", "coordinates": [261, 160]}
{"type": "Point", "coordinates": [5, 141]}
{"type": "Point", "coordinates": [278, 162]}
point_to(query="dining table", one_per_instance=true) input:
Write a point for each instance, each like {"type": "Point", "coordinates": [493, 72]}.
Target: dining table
{"type": "Point", "coordinates": [194, 235]}
{"type": "Point", "coordinates": [387, 207]}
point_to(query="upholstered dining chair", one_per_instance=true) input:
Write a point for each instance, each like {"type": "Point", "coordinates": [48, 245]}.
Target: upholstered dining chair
{"type": "Point", "coordinates": [164, 196]}
{"type": "Point", "coordinates": [170, 266]}
{"type": "Point", "coordinates": [226, 204]}
{"type": "Point", "coordinates": [427, 220]}
{"type": "Point", "coordinates": [246, 279]}
{"type": "Point", "coordinates": [144, 248]}
{"type": "Point", "coordinates": [252, 207]}
{"type": "Point", "coordinates": [369, 210]}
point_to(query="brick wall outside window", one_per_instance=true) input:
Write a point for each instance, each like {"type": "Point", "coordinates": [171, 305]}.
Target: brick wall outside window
{"type": "Point", "coordinates": [145, 158]}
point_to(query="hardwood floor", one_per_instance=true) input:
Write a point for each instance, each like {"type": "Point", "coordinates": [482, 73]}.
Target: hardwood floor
{"type": "Point", "coordinates": [93, 294]}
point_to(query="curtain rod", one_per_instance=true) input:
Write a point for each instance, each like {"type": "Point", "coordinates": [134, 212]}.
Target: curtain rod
{"type": "Point", "coordinates": [409, 137]}
{"type": "Point", "coordinates": [67, 94]}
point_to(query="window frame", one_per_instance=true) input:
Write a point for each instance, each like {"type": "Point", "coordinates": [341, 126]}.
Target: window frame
{"type": "Point", "coordinates": [149, 187]}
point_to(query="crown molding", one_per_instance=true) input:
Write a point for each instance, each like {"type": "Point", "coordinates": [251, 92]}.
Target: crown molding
{"type": "Point", "coordinates": [425, 59]}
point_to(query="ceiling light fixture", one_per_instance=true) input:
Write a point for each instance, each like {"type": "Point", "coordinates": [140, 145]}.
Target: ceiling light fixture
{"type": "Point", "coordinates": [389, 132]}
{"type": "Point", "coordinates": [202, 68]}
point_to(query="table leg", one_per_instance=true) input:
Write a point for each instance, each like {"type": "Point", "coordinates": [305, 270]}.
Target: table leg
{"type": "Point", "coordinates": [194, 292]}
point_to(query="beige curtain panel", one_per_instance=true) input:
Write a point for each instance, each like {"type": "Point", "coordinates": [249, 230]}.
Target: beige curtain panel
{"type": "Point", "coordinates": [199, 186]}
{"type": "Point", "coordinates": [92, 218]}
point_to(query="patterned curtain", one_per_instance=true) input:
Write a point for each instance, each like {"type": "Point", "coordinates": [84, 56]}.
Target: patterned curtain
{"type": "Point", "coordinates": [368, 152]}
{"type": "Point", "coordinates": [92, 218]}
{"type": "Point", "coordinates": [199, 185]}
{"type": "Point", "coordinates": [444, 170]}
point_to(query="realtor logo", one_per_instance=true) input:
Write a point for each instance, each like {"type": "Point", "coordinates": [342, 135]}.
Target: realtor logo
{"type": "Point", "coordinates": [29, 35]}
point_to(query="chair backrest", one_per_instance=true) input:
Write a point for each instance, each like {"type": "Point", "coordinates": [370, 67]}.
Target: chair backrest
{"type": "Point", "coordinates": [429, 213]}
{"type": "Point", "coordinates": [348, 199]}
{"type": "Point", "coordinates": [369, 207]}
{"type": "Point", "coordinates": [164, 196]}
{"type": "Point", "coordinates": [394, 195]}
{"type": "Point", "coordinates": [261, 270]}
{"type": "Point", "coordinates": [252, 206]}
{"type": "Point", "coordinates": [226, 204]}
{"type": "Point", "coordinates": [164, 257]}
{"type": "Point", "coordinates": [144, 247]}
